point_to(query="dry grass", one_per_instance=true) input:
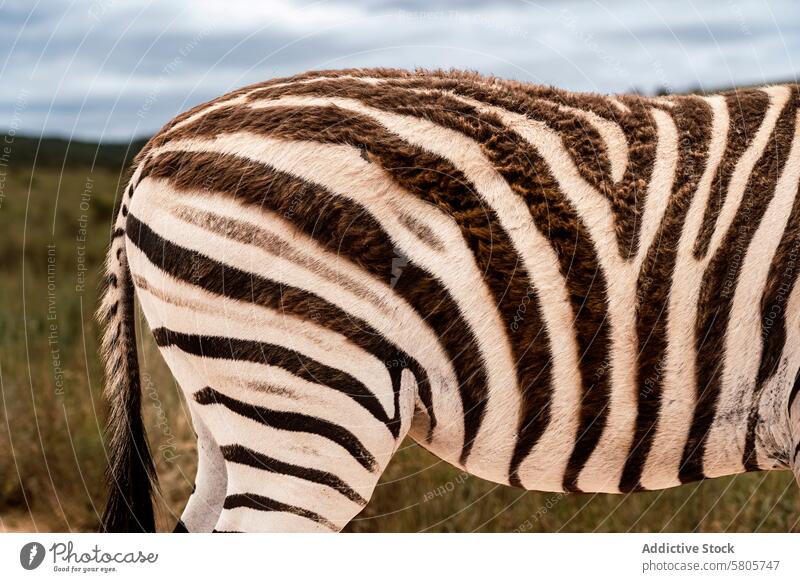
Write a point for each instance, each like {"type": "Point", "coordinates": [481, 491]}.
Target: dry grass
{"type": "Point", "coordinates": [51, 450]}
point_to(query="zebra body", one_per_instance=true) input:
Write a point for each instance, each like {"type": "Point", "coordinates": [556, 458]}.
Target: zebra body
{"type": "Point", "coordinates": [551, 290]}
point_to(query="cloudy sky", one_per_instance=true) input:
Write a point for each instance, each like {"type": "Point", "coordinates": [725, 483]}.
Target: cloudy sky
{"type": "Point", "coordinates": [114, 69]}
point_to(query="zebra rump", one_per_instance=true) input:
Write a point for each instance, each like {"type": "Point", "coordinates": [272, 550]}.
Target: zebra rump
{"type": "Point", "coordinates": [549, 290]}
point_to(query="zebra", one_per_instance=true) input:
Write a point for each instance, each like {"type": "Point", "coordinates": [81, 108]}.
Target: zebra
{"type": "Point", "coordinates": [551, 290]}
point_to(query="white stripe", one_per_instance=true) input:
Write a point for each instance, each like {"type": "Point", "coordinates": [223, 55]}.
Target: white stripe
{"type": "Point", "coordinates": [624, 109]}
{"type": "Point", "coordinates": [210, 108]}
{"type": "Point", "coordinates": [663, 101]}
{"type": "Point", "coordinates": [368, 80]}
{"type": "Point", "coordinates": [251, 520]}
{"type": "Point", "coordinates": [659, 190]}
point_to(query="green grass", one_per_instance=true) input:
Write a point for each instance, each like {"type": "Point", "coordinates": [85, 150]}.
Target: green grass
{"type": "Point", "coordinates": [51, 450]}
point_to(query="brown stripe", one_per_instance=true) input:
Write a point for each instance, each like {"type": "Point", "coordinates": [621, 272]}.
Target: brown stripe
{"type": "Point", "coordinates": [250, 234]}
{"type": "Point", "coordinates": [719, 285]}
{"type": "Point", "coordinates": [747, 109]}
{"type": "Point", "coordinates": [423, 232]}
{"type": "Point", "coordinates": [693, 121]}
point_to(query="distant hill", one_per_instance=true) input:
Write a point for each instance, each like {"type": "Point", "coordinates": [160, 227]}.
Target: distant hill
{"type": "Point", "coordinates": [55, 152]}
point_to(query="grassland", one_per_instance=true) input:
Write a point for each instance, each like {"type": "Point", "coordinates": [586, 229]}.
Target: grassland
{"type": "Point", "coordinates": [54, 225]}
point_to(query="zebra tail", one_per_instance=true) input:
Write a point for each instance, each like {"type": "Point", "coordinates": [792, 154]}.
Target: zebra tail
{"type": "Point", "coordinates": [131, 476]}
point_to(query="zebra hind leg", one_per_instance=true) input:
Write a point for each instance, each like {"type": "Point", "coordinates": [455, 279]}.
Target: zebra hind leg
{"type": "Point", "coordinates": [305, 420]}
{"type": "Point", "coordinates": [205, 504]}
{"type": "Point", "coordinates": [299, 456]}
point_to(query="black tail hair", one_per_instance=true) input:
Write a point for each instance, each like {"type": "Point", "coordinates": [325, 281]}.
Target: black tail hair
{"type": "Point", "coordinates": [131, 473]}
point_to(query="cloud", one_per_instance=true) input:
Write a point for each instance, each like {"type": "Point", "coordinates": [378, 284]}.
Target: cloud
{"type": "Point", "coordinates": [112, 69]}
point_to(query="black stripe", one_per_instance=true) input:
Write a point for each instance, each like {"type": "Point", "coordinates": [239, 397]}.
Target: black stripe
{"type": "Point", "coordinates": [220, 279]}
{"type": "Point", "coordinates": [261, 503]}
{"type": "Point", "coordinates": [749, 457]}
{"type": "Point", "coordinates": [245, 456]}
{"type": "Point", "coordinates": [292, 422]}
{"type": "Point", "coordinates": [274, 355]}
{"type": "Point", "coordinates": [795, 390]}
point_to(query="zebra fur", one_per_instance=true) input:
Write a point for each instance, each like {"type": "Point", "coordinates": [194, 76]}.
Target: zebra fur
{"type": "Point", "coordinates": [597, 293]}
